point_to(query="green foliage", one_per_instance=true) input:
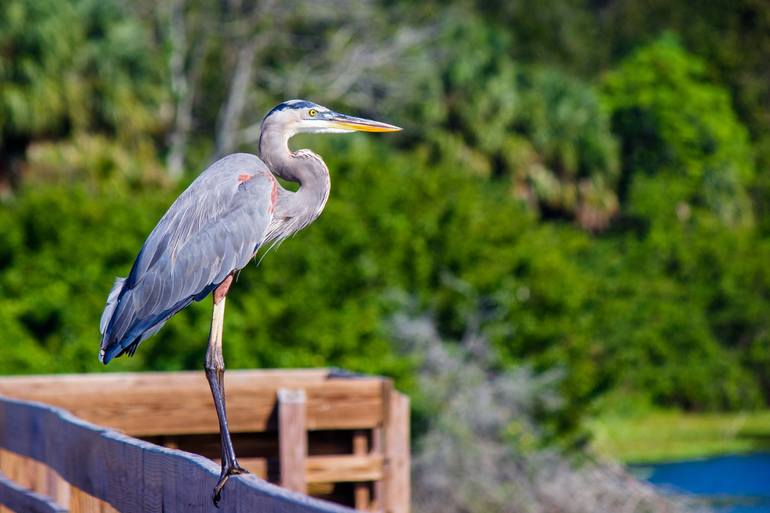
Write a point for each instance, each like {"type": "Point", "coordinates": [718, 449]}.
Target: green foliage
{"type": "Point", "coordinates": [54, 274]}
{"type": "Point", "coordinates": [539, 131]}
{"type": "Point", "coordinates": [685, 237]}
{"type": "Point", "coordinates": [35, 74]}
{"type": "Point", "coordinates": [681, 128]}
{"type": "Point", "coordinates": [73, 67]}
{"type": "Point", "coordinates": [599, 224]}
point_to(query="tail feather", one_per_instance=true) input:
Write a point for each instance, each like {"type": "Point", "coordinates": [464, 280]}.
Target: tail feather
{"type": "Point", "coordinates": [109, 310]}
{"type": "Point", "coordinates": [112, 302]}
{"type": "Point", "coordinates": [123, 329]}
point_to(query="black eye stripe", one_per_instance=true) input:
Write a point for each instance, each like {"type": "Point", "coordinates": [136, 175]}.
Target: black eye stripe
{"type": "Point", "coordinates": [291, 105]}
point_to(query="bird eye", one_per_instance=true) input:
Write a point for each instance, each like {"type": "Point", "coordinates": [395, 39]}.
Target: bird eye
{"type": "Point", "coordinates": [312, 113]}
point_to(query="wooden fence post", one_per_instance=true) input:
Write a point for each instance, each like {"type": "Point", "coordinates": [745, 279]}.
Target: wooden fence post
{"type": "Point", "coordinates": [292, 438]}
{"type": "Point", "coordinates": [396, 433]}
{"type": "Point", "coordinates": [362, 497]}
{"type": "Point", "coordinates": [378, 447]}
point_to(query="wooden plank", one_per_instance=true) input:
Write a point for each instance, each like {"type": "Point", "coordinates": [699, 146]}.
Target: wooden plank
{"type": "Point", "coordinates": [21, 500]}
{"type": "Point", "coordinates": [180, 403]}
{"type": "Point", "coordinates": [378, 487]}
{"type": "Point", "coordinates": [361, 495]}
{"type": "Point", "coordinates": [320, 489]}
{"type": "Point", "coordinates": [35, 476]}
{"type": "Point", "coordinates": [12, 465]}
{"type": "Point", "coordinates": [77, 382]}
{"type": "Point", "coordinates": [327, 469]}
{"type": "Point", "coordinates": [292, 438]}
{"type": "Point", "coordinates": [344, 468]}
{"type": "Point", "coordinates": [57, 488]}
{"type": "Point", "coordinates": [397, 479]}
{"type": "Point", "coordinates": [209, 444]}
{"type": "Point", "coordinates": [257, 466]}
{"type": "Point", "coordinates": [81, 502]}
{"type": "Point", "coordinates": [135, 476]}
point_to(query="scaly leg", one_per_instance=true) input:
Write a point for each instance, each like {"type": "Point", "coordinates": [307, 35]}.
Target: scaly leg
{"type": "Point", "coordinates": [215, 373]}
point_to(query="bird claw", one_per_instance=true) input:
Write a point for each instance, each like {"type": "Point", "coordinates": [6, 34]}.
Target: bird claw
{"type": "Point", "coordinates": [228, 471]}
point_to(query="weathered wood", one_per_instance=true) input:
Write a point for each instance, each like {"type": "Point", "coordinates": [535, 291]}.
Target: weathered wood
{"type": "Point", "coordinates": [292, 438]}
{"type": "Point", "coordinates": [397, 490]}
{"type": "Point", "coordinates": [252, 444]}
{"type": "Point", "coordinates": [344, 414]}
{"type": "Point", "coordinates": [18, 499]}
{"type": "Point", "coordinates": [326, 469]}
{"type": "Point", "coordinates": [57, 488]}
{"type": "Point", "coordinates": [380, 488]}
{"type": "Point", "coordinates": [361, 495]}
{"type": "Point", "coordinates": [13, 467]}
{"type": "Point", "coordinates": [145, 404]}
{"type": "Point", "coordinates": [33, 476]}
{"type": "Point", "coordinates": [81, 502]}
{"type": "Point", "coordinates": [257, 466]}
{"type": "Point", "coordinates": [344, 468]}
{"type": "Point", "coordinates": [77, 382]}
{"type": "Point", "coordinates": [378, 447]}
{"type": "Point", "coordinates": [135, 476]}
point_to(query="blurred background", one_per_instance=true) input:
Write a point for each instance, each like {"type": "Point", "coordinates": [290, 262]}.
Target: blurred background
{"type": "Point", "coordinates": [562, 259]}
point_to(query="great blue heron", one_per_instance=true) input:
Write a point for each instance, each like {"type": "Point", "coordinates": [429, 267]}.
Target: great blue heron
{"type": "Point", "coordinates": [213, 229]}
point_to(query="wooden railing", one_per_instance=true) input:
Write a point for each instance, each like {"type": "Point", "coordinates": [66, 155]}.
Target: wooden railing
{"type": "Point", "coordinates": [336, 436]}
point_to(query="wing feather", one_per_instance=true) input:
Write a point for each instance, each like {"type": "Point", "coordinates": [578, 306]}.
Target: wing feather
{"type": "Point", "coordinates": [212, 229]}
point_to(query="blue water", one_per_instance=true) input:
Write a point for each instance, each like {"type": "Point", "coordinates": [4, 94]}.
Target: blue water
{"type": "Point", "coordinates": [733, 484]}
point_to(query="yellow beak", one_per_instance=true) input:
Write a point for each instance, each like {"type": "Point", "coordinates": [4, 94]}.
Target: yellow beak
{"type": "Point", "coordinates": [360, 124]}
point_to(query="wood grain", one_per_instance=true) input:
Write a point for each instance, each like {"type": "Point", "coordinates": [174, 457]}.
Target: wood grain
{"type": "Point", "coordinates": [344, 468]}
{"type": "Point", "coordinates": [355, 428]}
{"type": "Point", "coordinates": [131, 475]}
{"type": "Point", "coordinates": [292, 438]}
{"type": "Point", "coordinates": [145, 404]}
{"type": "Point", "coordinates": [361, 495]}
{"type": "Point", "coordinates": [57, 488]}
{"type": "Point", "coordinates": [397, 478]}
{"type": "Point", "coordinates": [378, 488]}
{"type": "Point", "coordinates": [257, 466]}
{"type": "Point", "coordinates": [81, 502]}
{"type": "Point", "coordinates": [16, 498]}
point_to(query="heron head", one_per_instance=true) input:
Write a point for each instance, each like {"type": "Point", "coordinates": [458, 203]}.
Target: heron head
{"type": "Point", "coordinates": [301, 116]}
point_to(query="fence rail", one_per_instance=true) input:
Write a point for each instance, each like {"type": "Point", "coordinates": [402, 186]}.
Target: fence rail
{"type": "Point", "coordinates": [311, 431]}
{"type": "Point", "coordinates": [18, 498]}
{"type": "Point", "coordinates": [131, 475]}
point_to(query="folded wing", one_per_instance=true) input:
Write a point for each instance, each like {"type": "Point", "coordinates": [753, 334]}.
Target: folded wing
{"type": "Point", "coordinates": [214, 228]}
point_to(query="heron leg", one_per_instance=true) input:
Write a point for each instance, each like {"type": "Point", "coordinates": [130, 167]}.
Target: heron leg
{"type": "Point", "coordinates": [215, 373]}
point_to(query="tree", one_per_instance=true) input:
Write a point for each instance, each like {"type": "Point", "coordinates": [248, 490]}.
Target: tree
{"type": "Point", "coordinates": [71, 68]}
{"type": "Point", "coordinates": [678, 132]}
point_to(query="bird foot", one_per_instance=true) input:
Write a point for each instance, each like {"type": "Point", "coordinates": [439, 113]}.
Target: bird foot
{"type": "Point", "coordinates": [227, 471]}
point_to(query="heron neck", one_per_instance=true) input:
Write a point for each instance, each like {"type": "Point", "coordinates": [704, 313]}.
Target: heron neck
{"type": "Point", "coordinates": [303, 167]}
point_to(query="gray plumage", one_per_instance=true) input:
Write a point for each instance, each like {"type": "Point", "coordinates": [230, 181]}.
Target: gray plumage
{"type": "Point", "coordinates": [220, 221]}
{"type": "Point", "coordinates": [213, 229]}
